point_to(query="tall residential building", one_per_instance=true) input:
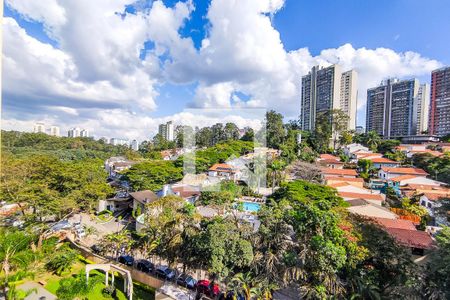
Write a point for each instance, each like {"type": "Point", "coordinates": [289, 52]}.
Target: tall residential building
{"type": "Point", "coordinates": [167, 131]}
{"type": "Point", "coordinates": [39, 127]}
{"type": "Point", "coordinates": [54, 130]}
{"type": "Point", "coordinates": [74, 132]}
{"type": "Point", "coordinates": [395, 108]}
{"type": "Point", "coordinates": [134, 145]}
{"type": "Point", "coordinates": [324, 89]}
{"type": "Point", "coordinates": [439, 121]}
{"type": "Point", "coordinates": [84, 133]}
{"type": "Point", "coordinates": [423, 108]}
{"type": "Point", "coordinates": [349, 95]}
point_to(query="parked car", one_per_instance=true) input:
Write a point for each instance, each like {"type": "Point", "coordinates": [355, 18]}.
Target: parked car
{"type": "Point", "coordinates": [145, 266]}
{"type": "Point", "coordinates": [97, 249]}
{"type": "Point", "coordinates": [126, 260]}
{"type": "Point", "coordinates": [187, 281]}
{"type": "Point", "coordinates": [208, 288]}
{"type": "Point", "coordinates": [165, 272]}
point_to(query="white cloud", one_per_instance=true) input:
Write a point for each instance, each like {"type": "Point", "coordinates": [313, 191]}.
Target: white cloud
{"type": "Point", "coordinates": [95, 79]}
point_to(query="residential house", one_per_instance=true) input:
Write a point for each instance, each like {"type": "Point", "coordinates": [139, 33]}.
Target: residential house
{"type": "Point", "coordinates": [381, 162]}
{"type": "Point", "coordinates": [121, 201]}
{"type": "Point", "coordinates": [432, 201]}
{"type": "Point", "coordinates": [377, 199]}
{"type": "Point", "coordinates": [346, 173]}
{"type": "Point", "coordinates": [141, 199]}
{"type": "Point", "coordinates": [352, 148]}
{"type": "Point", "coordinates": [114, 165]}
{"type": "Point", "coordinates": [405, 234]}
{"type": "Point", "coordinates": [224, 171]}
{"type": "Point", "coordinates": [330, 180]}
{"type": "Point", "coordinates": [367, 209]}
{"type": "Point", "coordinates": [390, 173]}
{"type": "Point", "coordinates": [331, 164]}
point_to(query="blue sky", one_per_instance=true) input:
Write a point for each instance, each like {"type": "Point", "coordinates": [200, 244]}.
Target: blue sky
{"type": "Point", "coordinates": [78, 64]}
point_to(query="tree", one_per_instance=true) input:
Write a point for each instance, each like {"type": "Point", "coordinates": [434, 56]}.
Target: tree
{"type": "Point", "coordinates": [304, 171]}
{"type": "Point", "coordinates": [62, 260]}
{"type": "Point", "coordinates": [276, 167]}
{"type": "Point", "coordinates": [372, 140]}
{"type": "Point", "coordinates": [217, 133]}
{"type": "Point", "coordinates": [365, 167]}
{"type": "Point", "coordinates": [152, 175]}
{"type": "Point", "coordinates": [231, 131]}
{"type": "Point", "coordinates": [437, 281]}
{"type": "Point", "coordinates": [249, 135]}
{"type": "Point", "coordinates": [203, 137]}
{"type": "Point", "coordinates": [274, 129]}
{"type": "Point", "coordinates": [322, 133]}
{"type": "Point", "coordinates": [386, 146]}
{"type": "Point", "coordinates": [339, 123]}
{"type": "Point", "coordinates": [345, 138]}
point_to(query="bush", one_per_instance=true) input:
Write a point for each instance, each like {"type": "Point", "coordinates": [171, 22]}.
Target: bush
{"type": "Point", "coordinates": [109, 291]}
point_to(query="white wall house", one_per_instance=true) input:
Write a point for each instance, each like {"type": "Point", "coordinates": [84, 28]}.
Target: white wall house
{"type": "Point", "coordinates": [352, 148]}
{"type": "Point", "coordinates": [390, 173]}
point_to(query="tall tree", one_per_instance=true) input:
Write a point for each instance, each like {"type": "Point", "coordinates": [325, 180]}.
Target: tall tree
{"type": "Point", "coordinates": [339, 123]}
{"type": "Point", "coordinates": [274, 129]}
{"type": "Point", "coordinates": [322, 133]}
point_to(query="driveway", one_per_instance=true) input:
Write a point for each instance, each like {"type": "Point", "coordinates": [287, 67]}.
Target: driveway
{"type": "Point", "coordinates": [41, 294]}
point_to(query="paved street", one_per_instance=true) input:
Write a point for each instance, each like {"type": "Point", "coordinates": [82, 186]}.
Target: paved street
{"type": "Point", "coordinates": [40, 294]}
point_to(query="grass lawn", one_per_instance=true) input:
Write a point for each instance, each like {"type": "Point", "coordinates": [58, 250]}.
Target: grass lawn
{"type": "Point", "coordinates": [139, 291]}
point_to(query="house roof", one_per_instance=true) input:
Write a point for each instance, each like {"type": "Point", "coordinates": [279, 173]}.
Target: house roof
{"type": "Point", "coordinates": [436, 196]}
{"type": "Point", "coordinates": [349, 172]}
{"type": "Point", "coordinates": [185, 192]}
{"type": "Point", "coordinates": [403, 177]}
{"type": "Point", "coordinates": [145, 196]}
{"type": "Point", "coordinates": [406, 171]}
{"type": "Point", "coordinates": [335, 178]}
{"type": "Point", "coordinates": [397, 223]}
{"type": "Point", "coordinates": [411, 238]}
{"type": "Point", "coordinates": [370, 210]}
{"type": "Point", "coordinates": [222, 168]}
{"type": "Point", "coordinates": [361, 196]}
{"type": "Point", "coordinates": [432, 152]}
{"type": "Point", "coordinates": [357, 202]}
{"type": "Point", "coordinates": [382, 160]}
{"type": "Point", "coordinates": [338, 184]}
{"type": "Point", "coordinates": [330, 161]}
{"type": "Point", "coordinates": [329, 156]}
{"type": "Point", "coordinates": [414, 186]}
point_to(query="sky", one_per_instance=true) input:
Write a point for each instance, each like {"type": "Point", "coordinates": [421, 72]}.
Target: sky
{"type": "Point", "coordinates": [119, 68]}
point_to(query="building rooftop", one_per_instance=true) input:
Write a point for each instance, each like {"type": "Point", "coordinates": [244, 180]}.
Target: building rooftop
{"type": "Point", "coordinates": [383, 160]}
{"type": "Point", "coordinates": [145, 196]}
{"type": "Point", "coordinates": [222, 168]}
{"type": "Point", "coordinates": [336, 178]}
{"type": "Point", "coordinates": [406, 171]}
{"type": "Point", "coordinates": [348, 172]}
{"type": "Point", "coordinates": [397, 223]}
{"type": "Point", "coordinates": [351, 195]}
{"type": "Point", "coordinates": [329, 156]}
{"type": "Point", "coordinates": [411, 238]}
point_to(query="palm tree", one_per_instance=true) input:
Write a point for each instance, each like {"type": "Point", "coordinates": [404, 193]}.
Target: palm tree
{"type": "Point", "coordinates": [276, 166]}
{"type": "Point", "coordinates": [244, 282]}
{"type": "Point", "coordinates": [372, 140]}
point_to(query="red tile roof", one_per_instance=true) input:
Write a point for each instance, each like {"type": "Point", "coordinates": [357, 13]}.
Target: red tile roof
{"type": "Point", "coordinates": [436, 196]}
{"type": "Point", "coordinates": [403, 177]}
{"type": "Point", "coordinates": [185, 192]}
{"type": "Point", "coordinates": [222, 168]}
{"type": "Point", "coordinates": [348, 172]}
{"type": "Point", "coordinates": [411, 238]}
{"type": "Point", "coordinates": [361, 196]}
{"type": "Point", "coordinates": [330, 161]}
{"type": "Point", "coordinates": [425, 187]}
{"type": "Point", "coordinates": [397, 223]}
{"type": "Point", "coordinates": [383, 160]}
{"type": "Point", "coordinates": [334, 178]}
{"type": "Point", "coordinates": [406, 171]}
{"type": "Point", "coordinates": [338, 184]}
{"type": "Point", "coordinates": [329, 156]}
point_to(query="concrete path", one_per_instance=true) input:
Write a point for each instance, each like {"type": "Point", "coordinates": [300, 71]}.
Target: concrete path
{"type": "Point", "coordinates": [42, 293]}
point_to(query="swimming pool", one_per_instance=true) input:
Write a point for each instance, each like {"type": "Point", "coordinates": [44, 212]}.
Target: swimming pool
{"type": "Point", "coordinates": [251, 206]}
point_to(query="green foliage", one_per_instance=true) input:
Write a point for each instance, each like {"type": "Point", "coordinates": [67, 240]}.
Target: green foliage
{"type": "Point", "coordinates": [51, 186]}
{"type": "Point", "coordinates": [322, 133]}
{"type": "Point", "coordinates": [437, 167]}
{"type": "Point", "coordinates": [62, 260]}
{"type": "Point", "coordinates": [437, 281]}
{"type": "Point", "coordinates": [76, 287]}
{"type": "Point", "coordinates": [274, 129]}
{"type": "Point", "coordinates": [25, 144]}
{"type": "Point", "coordinates": [219, 153]}
{"type": "Point", "coordinates": [385, 146]}
{"type": "Point", "coordinates": [152, 175]}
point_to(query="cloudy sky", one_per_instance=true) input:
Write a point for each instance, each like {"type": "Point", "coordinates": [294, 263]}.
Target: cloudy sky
{"type": "Point", "coordinates": [119, 68]}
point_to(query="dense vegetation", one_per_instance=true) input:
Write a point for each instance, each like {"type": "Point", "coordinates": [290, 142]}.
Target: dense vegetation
{"type": "Point", "coordinates": [26, 144]}
{"type": "Point", "coordinates": [437, 167]}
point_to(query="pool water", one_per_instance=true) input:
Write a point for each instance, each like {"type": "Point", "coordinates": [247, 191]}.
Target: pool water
{"type": "Point", "coordinates": [251, 206]}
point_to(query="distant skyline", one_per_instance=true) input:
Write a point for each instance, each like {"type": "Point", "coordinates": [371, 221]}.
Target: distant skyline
{"type": "Point", "coordinates": [121, 68]}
